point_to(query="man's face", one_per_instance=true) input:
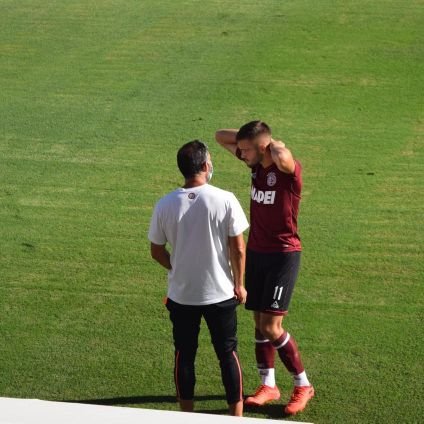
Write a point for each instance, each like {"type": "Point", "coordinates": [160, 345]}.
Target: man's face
{"type": "Point", "coordinates": [253, 151]}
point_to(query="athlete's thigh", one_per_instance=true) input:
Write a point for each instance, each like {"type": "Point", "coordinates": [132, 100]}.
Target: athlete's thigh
{"type": "Point", "coordinates": [185, 325]}
{"type": "Point", "coordinates": [254, 280]}
{"type": "Point", "coordinates": [221, 319]}
{"type": "Point", "coordinates": [280, 281]}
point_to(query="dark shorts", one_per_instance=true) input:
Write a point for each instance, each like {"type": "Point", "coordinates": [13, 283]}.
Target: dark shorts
{"type": "Point", "coordinates": [270, 280]}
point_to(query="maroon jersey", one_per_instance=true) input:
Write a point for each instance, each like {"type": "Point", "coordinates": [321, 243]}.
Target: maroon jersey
{"type": "Point", "coordinates": [274, 207]}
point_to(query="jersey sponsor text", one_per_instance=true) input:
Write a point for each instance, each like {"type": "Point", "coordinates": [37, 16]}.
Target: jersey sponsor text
{"type": "Point", "coordinates": [266, 197]}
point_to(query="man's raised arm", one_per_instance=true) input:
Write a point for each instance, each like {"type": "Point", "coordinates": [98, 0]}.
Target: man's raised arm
{"type": "Point", "coordinates": [282, 156]}
{"type": "Point", "coordinates": [227, 139]}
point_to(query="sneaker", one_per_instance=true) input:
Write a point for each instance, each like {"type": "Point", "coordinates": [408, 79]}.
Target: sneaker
{"type": "Point", "coordinates": [299, 399]}
{"type": "Point", "coordinates": [263, 395]}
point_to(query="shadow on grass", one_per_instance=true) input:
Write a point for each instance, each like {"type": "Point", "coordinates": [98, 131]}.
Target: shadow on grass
{"type": "Point", "coordinates": [223, 411]}
{"type": "Point", "coordinates": [271, 410]}
{"type": "Point", "coordinates": [136, 400]}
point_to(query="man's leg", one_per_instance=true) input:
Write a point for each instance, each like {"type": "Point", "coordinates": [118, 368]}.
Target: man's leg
{"type": "Point", "coordinates": [279, 282]}
{"type": "Point", "coordinates": [284, 343]}
{"type": "Point", "coordinates": [186, 327]}
{"type": "Point", "coordinates": [271, 326]}
{"type": "Point", "coordinates": [221, 319]}
{"type": "Point", "coordinates": [265, 354]}
{"type": "Point", "coordinates": [256, 268]}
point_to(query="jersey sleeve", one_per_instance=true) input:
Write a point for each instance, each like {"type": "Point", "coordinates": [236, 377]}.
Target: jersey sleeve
{"type": "Point", "coordinates": [156, 232]}
{"type": "Point", "coordinates": [238, 221]}
{"type": "Point", "coordinates": [297, 169]}
{"type": "Point", "coordinates": [297, 178]}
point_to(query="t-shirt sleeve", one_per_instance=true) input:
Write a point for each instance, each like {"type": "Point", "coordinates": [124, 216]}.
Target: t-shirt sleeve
{"type": "Point", "coordinates": [238, 221]}
{"type": "Point", "coordinates": [156, 231]}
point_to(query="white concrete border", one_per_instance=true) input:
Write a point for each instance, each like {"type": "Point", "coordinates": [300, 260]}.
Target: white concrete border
{"type": "Point", "coordinates": [33, 411]}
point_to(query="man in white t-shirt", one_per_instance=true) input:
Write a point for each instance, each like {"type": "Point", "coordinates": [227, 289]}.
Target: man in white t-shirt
{"type": "Point", "coordinates": [204, 227]}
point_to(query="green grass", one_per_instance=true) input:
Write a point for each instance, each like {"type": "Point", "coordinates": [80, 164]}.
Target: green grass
{"type": "Point", "coordinates": [96, 96]}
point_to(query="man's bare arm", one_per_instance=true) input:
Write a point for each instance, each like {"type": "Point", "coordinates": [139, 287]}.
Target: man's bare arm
{"type": "Point", "coordinates": [238, 263]}
{"type": "Point", "coordinates": [161, 255]}
{"type": "Point", "coordinates": [282, 157]}
{"type": "Point", "coordinates": [227, 139]}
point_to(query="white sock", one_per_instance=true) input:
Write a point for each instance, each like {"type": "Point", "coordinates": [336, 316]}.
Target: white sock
{"type": "Point", "coordinates": [301, 380]}
{"type": "Point", "coordinates": [267, 376]}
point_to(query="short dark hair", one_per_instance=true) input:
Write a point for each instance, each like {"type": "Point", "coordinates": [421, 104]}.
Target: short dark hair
{"type": "Point", "coordinates": [191, 158]}
{"type": "Point", "coordinates": [252, 130]}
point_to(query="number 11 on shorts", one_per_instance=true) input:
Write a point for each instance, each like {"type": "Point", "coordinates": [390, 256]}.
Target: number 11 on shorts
{"type": "Point", "coordinates": [278, 291]}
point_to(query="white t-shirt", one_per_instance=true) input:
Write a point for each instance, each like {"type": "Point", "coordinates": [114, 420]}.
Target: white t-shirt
{"type": "Point", "coordinates": [196, 223]}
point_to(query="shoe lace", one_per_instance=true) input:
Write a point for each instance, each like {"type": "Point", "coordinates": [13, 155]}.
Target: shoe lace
{"type": "Point", "coordinates": [261, 389]}
{"type": "Point", "coordinates": [296, 396]}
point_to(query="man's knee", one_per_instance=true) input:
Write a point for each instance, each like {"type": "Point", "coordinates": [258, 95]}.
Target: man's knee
{"type": "Point", "coordinates": [226, 358]}
{"type": "Point", "coordinates": [186, 353]}
{"type": "Point", "coordinates": [270, 329]}
{"type": "Point", "coordinates": [224, 348]}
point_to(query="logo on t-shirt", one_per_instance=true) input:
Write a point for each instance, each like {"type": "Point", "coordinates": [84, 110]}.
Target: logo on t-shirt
{"type": "Point", "coordinates": [271, 179]}
{"type": "Point", "coordinates": [191, 196]}
{"type": "Point", "coordinates": [264, 197]}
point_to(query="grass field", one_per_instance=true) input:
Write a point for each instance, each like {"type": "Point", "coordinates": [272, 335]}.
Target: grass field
{"type": "Point", "coordinates": [96, 96]}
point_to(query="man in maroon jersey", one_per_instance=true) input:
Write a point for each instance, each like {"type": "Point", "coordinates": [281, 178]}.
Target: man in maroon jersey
{"type": "Point", "coordinates": [273, 255]}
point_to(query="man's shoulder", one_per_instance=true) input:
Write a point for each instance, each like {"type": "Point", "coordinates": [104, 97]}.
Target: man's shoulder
{"type": "Point", "coordinates": [219, 193]}
{"type": "Point", "coordinates": [168, 198]}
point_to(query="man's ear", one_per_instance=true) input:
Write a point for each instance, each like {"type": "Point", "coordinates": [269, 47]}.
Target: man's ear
{"type": "Point", "coordinates": [205, 167]}
{"type": "Point", "coordinates": [264, 143]}
{"type": "Point", "coordinates": [262, 148]}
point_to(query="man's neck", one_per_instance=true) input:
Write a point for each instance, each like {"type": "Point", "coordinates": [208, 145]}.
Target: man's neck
{"type": "Point", "coordinates": [267, 160]}
{"type": "Point", "coordinates": [194, 182]}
